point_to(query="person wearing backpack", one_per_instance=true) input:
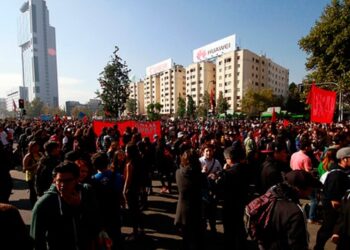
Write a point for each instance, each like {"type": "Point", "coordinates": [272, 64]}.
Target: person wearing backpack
{"type": "Point", "coordinates": [276, 218]}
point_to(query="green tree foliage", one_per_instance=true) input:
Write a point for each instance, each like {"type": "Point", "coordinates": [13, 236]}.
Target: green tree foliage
{"type": "Point", "coordinates": [153, 111]}
{"type": "Point", "coordinates": [131, 106]}
{"type": "Point", "coordinates": [191, 107]}
{"type": "Point", "coordinates": [114, 82]}
{"type": "Point", "coordinates": [181, 107]}
{"type": "Point", "coordinates": [34, 108]}
{"type": "Point", "coordinates": [222, 104]}
{"type": "Point", "coordinates": [328, 45]}
{"type": "Point", "coordinates": [295, 103]}
{"type": "Point", "coordinates": [77, 109]}
{"type": "Point", "coordinates": [256, 101]}
{"type": "Point", "coordinates": [204, 106]}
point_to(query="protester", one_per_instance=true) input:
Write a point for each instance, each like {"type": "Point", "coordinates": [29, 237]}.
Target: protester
{"type": "Point", "coordinates": [188, 217]}
{"type": "Point", "coordinates": [13, 232]}
{"type": "Point", "coordinates": [336, 184]}
{"type": "Point", "coordinates": [30, 165]}
{"type": "Point", "coordinates": [287, 225]}
{"type": "Point", "coordinates": [67, 215]}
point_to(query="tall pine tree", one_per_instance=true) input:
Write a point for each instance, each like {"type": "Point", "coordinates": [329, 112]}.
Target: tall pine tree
{"type": "Point", "coordinates": [114, 81]}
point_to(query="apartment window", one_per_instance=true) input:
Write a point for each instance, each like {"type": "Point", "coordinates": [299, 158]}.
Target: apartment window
{"type": "Point", "coordinates": [256, 84]}
{"type": "Point", "coordinates": [200, 68]}
{"type": "Point", "coordinates": [238, 73]}
{"type": "Point", "coordinates": [238, 65]}
{"type": "Point", "coordinates": [238, 97]}
{"type": "Point", "coordinates": [238, 57]}
{"type": "Point", "coordinates": [220, 62]}
{"type": "Point", "coordinates": [227, 60]}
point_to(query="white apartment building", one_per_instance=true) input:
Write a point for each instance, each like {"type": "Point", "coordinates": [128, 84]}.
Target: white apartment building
{"type": "Point", "coordinates": [37, 41]}
{"type": "Point", "coordinates": [200, 77]}
{"type": "Point", "coordinates": [240, 70]}
{"type": "Point", "coordinates": [137, 93]}
{"type": "Point", "coordinates": [14, 95]}
{"type": "Point", "coordinates": [151, 89]}
{"type": "Point", "coordinates": [172, 85]}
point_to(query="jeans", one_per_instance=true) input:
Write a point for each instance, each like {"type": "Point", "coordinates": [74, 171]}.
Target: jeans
{"type": "Point", "coordinates": [313, 205]}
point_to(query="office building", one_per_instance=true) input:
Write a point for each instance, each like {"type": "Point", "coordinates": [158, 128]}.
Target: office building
{"type": "Point", "coordinates": [36, 38]}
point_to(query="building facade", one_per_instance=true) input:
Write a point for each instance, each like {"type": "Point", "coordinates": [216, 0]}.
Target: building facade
{"type": "Point", "coordinates": [14, 95]}
{"type": "Point", "coordinates": [137, 93]}
{"type": "Point", "coordinates": [240, 70]}
{"type": "Point", "coordinates": [200, 78]}
{"type": "Point", "coordinates": [37, 41]}
{"type": "Point", "coordinates": [172, 85]}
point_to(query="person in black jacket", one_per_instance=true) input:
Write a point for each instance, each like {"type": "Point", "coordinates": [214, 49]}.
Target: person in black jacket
{"type": "Point", "coordinates": [43, 177]}
{"type": "Point", "coordinates": [188, 216]}
{"type": "Point", "coordinates": [341, 233]}
{"type": "Point", "coordinates": [275, 166]}
{"type": "Point", "coordinates": [287, 226]}
{"type": "Point", "coordinates": [336, 184]}
{"type": "Point", "coordinates": [234, 185]}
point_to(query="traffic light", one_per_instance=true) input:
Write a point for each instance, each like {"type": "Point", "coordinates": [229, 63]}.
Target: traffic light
{"type": "Point", "coordinates": [24, 112]}
{"type": "Point", "coordinates": [21, 103]}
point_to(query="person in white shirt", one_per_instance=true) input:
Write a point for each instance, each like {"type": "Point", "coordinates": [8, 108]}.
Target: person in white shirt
{"type": "Point", "coordinates": [210, 168]}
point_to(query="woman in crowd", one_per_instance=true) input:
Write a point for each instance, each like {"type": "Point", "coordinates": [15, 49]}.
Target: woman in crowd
{"type": "Point", "coordinates": [188, 216]}
{"type": "Point", "coordinates": [30, 164]}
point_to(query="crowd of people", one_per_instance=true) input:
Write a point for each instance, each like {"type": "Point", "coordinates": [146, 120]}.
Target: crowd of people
{"type": "Point", "coordinates": [79, 182]}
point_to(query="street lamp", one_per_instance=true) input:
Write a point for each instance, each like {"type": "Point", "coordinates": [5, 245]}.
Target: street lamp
{"type": "Point", "coordinates": [340, 100]}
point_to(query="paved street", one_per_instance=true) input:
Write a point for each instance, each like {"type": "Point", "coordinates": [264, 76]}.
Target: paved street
{"type": "Point", "coordinates": [159, 218]}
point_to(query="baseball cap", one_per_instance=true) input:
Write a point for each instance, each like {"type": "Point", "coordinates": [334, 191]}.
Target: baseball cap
{"type": "Point", "coordinates": [343, 153]}
{"type": "Point", "coordinates": [302, 179]}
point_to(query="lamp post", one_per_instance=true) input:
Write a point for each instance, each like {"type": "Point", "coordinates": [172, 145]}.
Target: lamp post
{"type": "Point", "coordinates": [340, 100]}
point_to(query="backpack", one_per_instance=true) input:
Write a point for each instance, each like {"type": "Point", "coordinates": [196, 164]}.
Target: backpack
{"type": "Point", "coordinates": [258, 213]}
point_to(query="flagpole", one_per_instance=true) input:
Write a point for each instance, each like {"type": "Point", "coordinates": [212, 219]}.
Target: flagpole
{"type": "Point", "coordinates": [340, 100]}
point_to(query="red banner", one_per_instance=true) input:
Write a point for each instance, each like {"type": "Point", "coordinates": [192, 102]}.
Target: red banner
{"type": "Point", "coordinates": [145, 128]}
{"type": "Point", "coordinates": [322, 105]}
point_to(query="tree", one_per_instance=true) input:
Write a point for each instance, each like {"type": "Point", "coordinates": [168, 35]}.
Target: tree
{"type": "Point", "coordinates": [191, 107]}
{"type": "Point", "coordinates": [204, 106]}
{"type": "Point", "coordinates": [114, 81]}
{"type": "Point", "coordinates": [294, 103]}
{"type": "Point", "coordinates": [256, 101]}
{"type": "Point", "coordinates": [35, 108]}
{"type": "Point", "coordinates": [222, 104]}
{"type": "Point", "coordinates": [328, 45]}
{"type": "Point", "coordinates": [153, 111]}
{"type": "Point", "coordinates": [81, 109]}
{"type": "Point", "coordinates": [181, 107]}
{"type": "Point", "coordinates": [131, 106]}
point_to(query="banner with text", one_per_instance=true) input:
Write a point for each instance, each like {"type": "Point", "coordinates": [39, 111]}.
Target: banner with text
{"type": "Point", "coordinates": [145, 128]}
{"type": "Point", "coordinates": [322, 105]}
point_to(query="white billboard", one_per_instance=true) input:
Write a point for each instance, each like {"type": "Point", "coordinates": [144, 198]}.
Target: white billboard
{"type": "Point", "coordinates": [215, 49]}
{"type": "Point", "coordinates": [159, 67]}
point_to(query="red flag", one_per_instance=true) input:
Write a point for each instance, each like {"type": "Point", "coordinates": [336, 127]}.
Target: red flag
{"type": "Point", "coordinates": [273, 117]}
{"type": "Point", "coordinates": [310, 95]}
{"type": "Point", "coordinates": [85, 119]}
{"type": "Point", "coordinates": [14, 105]}
{"type": "Point", "coordinates": [285, 123]}
{"type": "Point", "coordinates": [322, 105]}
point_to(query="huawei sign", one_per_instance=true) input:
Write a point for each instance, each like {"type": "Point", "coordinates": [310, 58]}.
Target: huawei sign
{"type": "Point", "coordinates": [201, 54]}
{"type": "Point", "coordinates": [215, 49]}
